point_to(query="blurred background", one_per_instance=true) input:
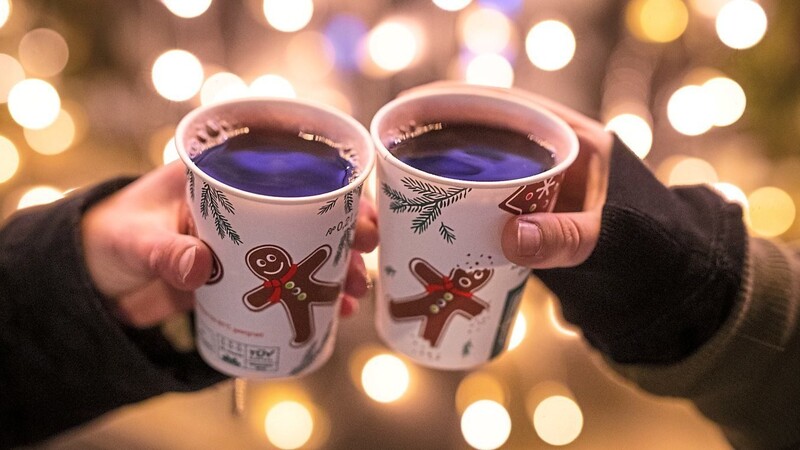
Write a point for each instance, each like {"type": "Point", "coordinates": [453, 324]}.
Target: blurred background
{"type": "Point", "coordinates": [705, 91]}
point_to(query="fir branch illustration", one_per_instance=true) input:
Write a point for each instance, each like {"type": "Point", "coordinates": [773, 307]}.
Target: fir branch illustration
{"type": "Point", "coordinates": [327, 206]}
{"type": "Point", "coordinates": [211, 199]}
{"type": "Point", "coordinates": [348, 202]}
{"type": "Point", "coordinates": [428, 204]}
{"type": "Point", "coordinates": [447, 233]}
{"type": "Point", "coordinates": [190, 176]}
{"type": "Point", "coordinates": [344, 242]}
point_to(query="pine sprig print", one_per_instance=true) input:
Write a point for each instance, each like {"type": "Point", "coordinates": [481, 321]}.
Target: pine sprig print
{"type": "Point", "coordinates": [447, 233]}
{"type": "Point", "coordinates": [344, 243]}
{"type": "Point", "coordinates": [427, 204]}
{"type": "Point", "coordinates": [214, 201]}
{"type": "Point", "coordinates": [190, 177]}
{"type": "Point", "coordinates": [327, 206]}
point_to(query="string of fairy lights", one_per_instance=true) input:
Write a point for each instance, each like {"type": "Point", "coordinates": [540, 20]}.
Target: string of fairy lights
{"type": "Point", "coordinates": [496, 39]}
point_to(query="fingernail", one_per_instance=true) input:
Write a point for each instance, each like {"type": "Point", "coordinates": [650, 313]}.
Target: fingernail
{"type": "Point", "coordinates": [529, 238]}
{"type": "Point", "coordinates": [186, 262]}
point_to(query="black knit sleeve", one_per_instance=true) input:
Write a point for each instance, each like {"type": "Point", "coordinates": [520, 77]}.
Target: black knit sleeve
{"type": "Point", "coordinates": [63, 358]}
{"type": "Point", "coordinates": [665, 272]}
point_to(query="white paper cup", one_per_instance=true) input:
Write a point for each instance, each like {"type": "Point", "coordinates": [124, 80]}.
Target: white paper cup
{"type": "Point", "coordinates": [271, 307]}
{"type": "Point", "coordinates": [446, 296]}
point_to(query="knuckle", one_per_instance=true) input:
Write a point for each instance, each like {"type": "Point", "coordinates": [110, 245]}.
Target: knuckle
{"type": "Point", "coordinates": [570, 236]}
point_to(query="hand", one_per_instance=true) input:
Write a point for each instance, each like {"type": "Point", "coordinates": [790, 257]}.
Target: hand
{"type": "Point", "coordinates": [139, 253]}
{"type": "Point", "coordinates": [568, 236]}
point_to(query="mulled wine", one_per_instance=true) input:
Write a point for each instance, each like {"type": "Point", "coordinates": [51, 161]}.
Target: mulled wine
{"type": "Point", "coordinates": [473, 152]}
{"type": "Point", "coordinates": [278, 163]}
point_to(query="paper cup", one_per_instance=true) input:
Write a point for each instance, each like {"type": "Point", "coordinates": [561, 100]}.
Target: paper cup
{"type": "Point", "coordinates": [446, 296]}
{"type": "Point", "coordinates": [270, 309]}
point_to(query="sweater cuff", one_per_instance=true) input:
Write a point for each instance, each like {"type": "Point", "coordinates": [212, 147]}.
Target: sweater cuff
{"type": "Point", "coordinates": [665, 271]}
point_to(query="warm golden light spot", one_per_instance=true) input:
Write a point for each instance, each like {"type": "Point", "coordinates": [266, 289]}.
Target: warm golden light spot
{"type": "Point", "coordinates": [11, 73]}
{"type": "Point", "coordinates": [9, 159]}
{"type": "Point", "coordinates": [690, 171]}
{"type": "Point", "coordinates": [634, 131]}
{"type": "Point", "coordinates": [177, 75]}
{"type": "Point", "coordinates": [772, 211]}
{"type": "Point", "coordinates": [393, 45]}
{"type": "Point", "coordinates": [222, 86]}
{"type": "Point", "coordinates": [452, 5]}
{"type": "Point", "coordinates": [485, 424]}
{"type": "Point", "coordinates": [54, 138]}
{"type": "Point", "coordinates": [385, 378]}
{"type": "Point", "coordinates": [288, 15]}
{"type": "Point", "coordinates": [39, 195]}
{"type": "Point", "coordinates": [479, 386]}
{"type": "Point", "coordinates": [690, 110]}
{"type": "Point", "coordinates": [518, 332]}
{"type": "Point", "coordinates": [271, 85]}
{"type": "Point", "coordinates": [34, 103]}
{"type": "Point", "coordinates": [558, 420]}
{"type": "Point", "coordinates": [187, 9]}
{"type": "Point", "coordinates": [728, 100]}
{"type": "Point", "coordinates": [550, 45]}
{"type": "Point", "coordinates": [657, 20]}
{"type": "Point", "coordinates": [43, 52]}
{"type": "Point", "coordinates": [485, 30]}
{"type": "Point", "coordinates": [288, 425]}
{"type": "Point", "coordinates": [490, 69]}
{"type": "Point", "coordinates": [741, 24]}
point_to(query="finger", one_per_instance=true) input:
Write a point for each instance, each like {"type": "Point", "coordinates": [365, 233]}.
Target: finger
{"type": "Point", "coordinates": [183, 261]}
{"type": "Point", "coordinates": [546, 240]}
{"type": "Point", "coordinates": [366, 238]}
{"type": "Point", "coordinates": [356, 284]}
{"type": "Point", "coordinates": [153, 304]}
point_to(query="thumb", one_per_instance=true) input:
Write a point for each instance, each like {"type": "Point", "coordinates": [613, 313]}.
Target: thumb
{"type": "Point", "coordinates": [183, 261]}
{"type": "Point", "coordinates": [547, 240]}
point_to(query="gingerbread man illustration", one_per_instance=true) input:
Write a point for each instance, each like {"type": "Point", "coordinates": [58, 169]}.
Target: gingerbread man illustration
{"type": "Point", "coordinates": [444, 298]}
{"type": "Point", "coordinates": [291, 285]}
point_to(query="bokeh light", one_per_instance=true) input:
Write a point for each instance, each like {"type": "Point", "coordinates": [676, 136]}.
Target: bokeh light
{"type": "Point", "coordinates": [657, 20]}
{"type": "Point", "coordinates": [479, 386]}
{"type": "Point", "coordinates": [490, 69]}
{"type": "Point", "coordinates": [5, 11]}
{"type": "Point", "coordinates": [732, 193]}
{"type": "Point", "coordinates": [43, 52]}
{"type": "Point", "coordinates": [772, 211]}
{"type": "Point", "coordinates": [53, 139]}
{"type": "Point", "coordinates": [692, 171]}
{"type": "Point", "coordinates": [485, 30]}
{"type": "Point", "coordinates": [11, 73]}
{"type": "Point", "coordinates": [485, 424]}
{"type": "Point", "coordinates": [728, 100]}
{"type": "Point", "coordinates": [177, 75]}
{"type": "Point", "coordinates": [452, 5]}
{"type": "Point", "coordinates": [187, 9]}
{"type": "Point", "coordinates": [708, 8]}
{"type": "Point", "coordinates": [9, 159]}
{"type": "Point", "coordinates": [271, 85]}
{"type": "Point", "coordinates": [518, 331]}
{"type": "Point", "coordinates": [741, 24]}
{"type": "Point", "coordinates": [392, 45]}
{"type": "Point", "coordinates": [39, 195]}
{"type": "Point", "coordinates": [288, 425]}
{"type": "Point", "coordinates": [634, 131]}
{"type": "Point", "coordinates": [558, 420]}
{"type": "Point", "coordinates": [288, 15]}
{"type": "Point", "coordinates": [690, 110]}
{"type": "Point", "coordinates": [346, 32]}
{"type": "Point", "coordinates": [550, 45]}
{"type": "Point", "coordinates": [222, 86]}
{"type": "Point", "coordinates": [385, 378]}
{"type": "Point", "coordinates": [34, 103]}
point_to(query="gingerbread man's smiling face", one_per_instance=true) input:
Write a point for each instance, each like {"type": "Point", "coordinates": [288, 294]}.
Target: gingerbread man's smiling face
{"type": "Point", "coordinates": [268, 262]}
{"type": "Point", "coordinates": [472, 280]}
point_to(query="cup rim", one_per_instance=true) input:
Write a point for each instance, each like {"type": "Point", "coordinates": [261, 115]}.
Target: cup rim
{"type": "Point", "coordinates": [475, 91]}
{"type": "Point", "coordinates": [366, 166]}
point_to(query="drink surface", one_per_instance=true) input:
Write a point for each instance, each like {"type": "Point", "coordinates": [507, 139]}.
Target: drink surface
{"type": "Point", "coordinates": [473, 152]}
{"type": "Point", "coordinates": [276, 163]}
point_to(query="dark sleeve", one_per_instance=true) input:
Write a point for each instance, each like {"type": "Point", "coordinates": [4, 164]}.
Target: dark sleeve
{"type": "Point", "coordinates": [665, 273]}
{"type": "Point", "coordinates": [63, 358]}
